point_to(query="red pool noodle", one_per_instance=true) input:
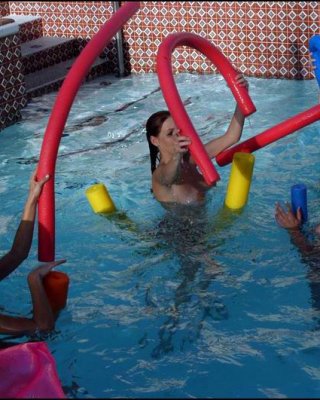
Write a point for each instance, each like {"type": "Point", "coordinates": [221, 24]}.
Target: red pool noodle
{"type": "Point", "coordinates": [56, 285]}
{"type": "Point", "coordinates": [57, 120]}
{"type": "Point", "coordinates": [174, 101]}
{"type": "Point", "coordinates": [271, 135]}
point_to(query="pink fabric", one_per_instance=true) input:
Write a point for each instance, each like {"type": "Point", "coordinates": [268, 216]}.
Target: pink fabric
{"type": "Point", "coordinates": [28, 370]}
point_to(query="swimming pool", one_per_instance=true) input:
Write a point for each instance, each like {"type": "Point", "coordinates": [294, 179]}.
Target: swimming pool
{"type": "Point", "coordinates": [204, 304]}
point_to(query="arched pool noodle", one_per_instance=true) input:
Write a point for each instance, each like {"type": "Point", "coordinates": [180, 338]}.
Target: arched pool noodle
{"type": "Point", "coordinates": [271, 135]}
{"type": "Point", "coordinates": [174, 101]}
{"type": "Point", "coordinates": [57, 120]}
{"type": "Point", "coordinates": [314, 47]}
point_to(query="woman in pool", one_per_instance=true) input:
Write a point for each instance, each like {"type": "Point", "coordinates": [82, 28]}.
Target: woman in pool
{"type": "Point", "coordinates": [43, 318]}
{"type": "Point", "coordinates": [176, 182]}
{"type": "Point", "coordinates": [175, 178]}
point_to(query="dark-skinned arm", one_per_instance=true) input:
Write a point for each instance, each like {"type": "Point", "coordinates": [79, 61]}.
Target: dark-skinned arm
{"type": "Point", "coordinates": [43, 319]}
{"type": "Point", "coordinates": [23, 238]}
{"type": "Point", "coordinates": [291, 222]}
{"type": "Point", "coordinates": [234, 131]}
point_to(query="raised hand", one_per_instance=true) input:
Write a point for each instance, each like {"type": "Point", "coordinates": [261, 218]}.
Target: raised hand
{"type": "Point", "coordinates": [241, 80]}
{"type": "Point", "coordinates": [42, 269]}
{"type": "Point", "coordinates": [35, 187]}
{"type": "Point", "coordinates": [181, 144]}
{"type": "Point", "coordinates": [287, 219]}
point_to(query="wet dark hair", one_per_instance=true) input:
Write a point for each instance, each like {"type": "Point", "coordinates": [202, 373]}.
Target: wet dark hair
{"type": "Point", "coordinates": [153, 127]}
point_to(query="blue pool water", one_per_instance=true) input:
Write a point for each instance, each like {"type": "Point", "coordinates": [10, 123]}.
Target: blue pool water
{"type": "Point", "coordinates": [206, 303]}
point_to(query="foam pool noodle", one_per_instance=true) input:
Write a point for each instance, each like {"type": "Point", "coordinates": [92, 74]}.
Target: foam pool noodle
{"type": "Point", "coordinates": [240, 180]}
{"type": "Point", "coordinates": [56, 285]}
{"type": "Point", "coordinates": [99, 199]}
{"type": "Point", "coordinates": [299, 199]}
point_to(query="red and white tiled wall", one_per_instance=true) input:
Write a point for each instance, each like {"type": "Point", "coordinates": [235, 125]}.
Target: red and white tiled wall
{"type": "Point", "coordinates": [261, 38]}
{"type": "Point", "coordinates": [4, 8]}
{"type": "Point", "coordinates": [12, 89]}
{"type": "Point", "coordinates": [264, 39]}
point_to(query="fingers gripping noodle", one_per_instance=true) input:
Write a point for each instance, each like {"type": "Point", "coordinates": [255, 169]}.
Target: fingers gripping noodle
{"type": "Point", "coordinates": [314, 47]}
{"type": "Point", "coordinates": [175, 104]}
{"type": "Point", "coordinates": [57, 121]}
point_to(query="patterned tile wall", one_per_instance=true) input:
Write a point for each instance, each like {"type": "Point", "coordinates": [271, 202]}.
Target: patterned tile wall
{"type": "Point", "coordinates": [69, 19]}
{"type": "Point", "coordinates": [4, 8]}
{"type": "Point", "coordinates": [31, 30]}
{"type": "Point", "coordinates": [95, 72]}
{"type": "Point", "coordinates": [264, 39]}
{"type": "Point", "coordinates": [51, 56]}
{"type": "Point", "coordinates": [12, 86]}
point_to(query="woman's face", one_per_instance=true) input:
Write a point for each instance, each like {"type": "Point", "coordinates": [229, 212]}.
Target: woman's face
{"type": "Point", "coordinates": [167, 136]}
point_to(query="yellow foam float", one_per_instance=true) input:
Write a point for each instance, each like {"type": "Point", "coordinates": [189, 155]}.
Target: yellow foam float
{"type": "Point", "coordinates": [240, 180]}
{"type": "Point", "coordinates": [99, 199]}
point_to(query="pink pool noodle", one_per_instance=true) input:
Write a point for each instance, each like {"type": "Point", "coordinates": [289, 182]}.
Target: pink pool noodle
{"type": "Point", "coordinates": [57, 121]}
{"type": "Point", "coordinates": [28, 370]}
{"type": "Point", "coordinates": [271, 135]}
{"type": "Point", "coordinates": [174, 101]}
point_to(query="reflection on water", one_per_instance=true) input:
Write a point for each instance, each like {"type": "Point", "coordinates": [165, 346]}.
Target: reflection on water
{"type": "Point", "coordinates": [183, 231]}
{"type": "Point", "coordinates": [179, 302]}
{"type": "Point", "coordinates": [311, 258]}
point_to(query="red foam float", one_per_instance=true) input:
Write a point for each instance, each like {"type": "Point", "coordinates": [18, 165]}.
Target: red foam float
{"type": "Point", "coordinates": [271, 135]}
{"type": "Point", "coordinates": [57, 120]}
{"type": "Point", "coordinates": [174, 101]}
{"type": "Point", "coordinates": [28, 370]}
{"type": "Point", "coordinates": [56, 285]}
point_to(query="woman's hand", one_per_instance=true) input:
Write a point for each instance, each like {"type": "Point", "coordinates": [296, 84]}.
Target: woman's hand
{"type": "Point", "coordinates": [241, 80]}
{"type": "Point", "coordinates": [181, 144]}
{"type": "Point", "coordinates": [287, 219]}
{"type": "Point", "coordinates": [43, 315]}
{"type": "Point", "coordinates": [43, 269]}
{"type": "Point", "coordinates": [35, 187]}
